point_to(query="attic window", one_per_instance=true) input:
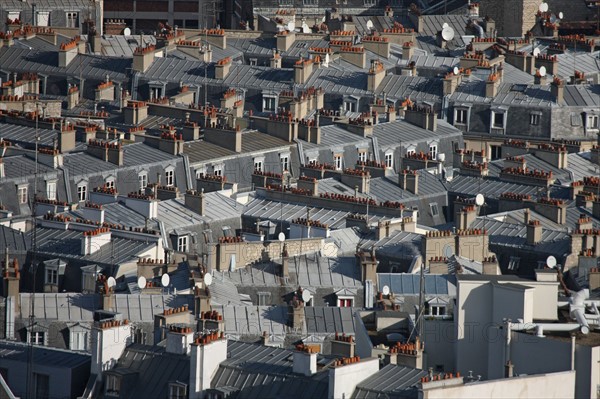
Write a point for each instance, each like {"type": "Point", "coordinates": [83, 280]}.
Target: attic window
{"type": "Point", "coordinates": [575, 119]}
{"type": "Point", "coordinates": [286, 2]}
{"type": "Point", "coordinates": [113, 385]}
{"type": "Point", "coordinates": [518, 87]}
{"type": "Point", "coordinates": [513, 264]}
{"type": "Point", "coordinates": [310, 2]}
{"type": "Point", "coordinates": [264, 298]}
{"type": "Point", "coordinates": [177, 390]}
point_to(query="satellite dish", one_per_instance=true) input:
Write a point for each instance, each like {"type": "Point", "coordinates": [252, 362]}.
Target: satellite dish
{"type": "Point", "coordinates": [543, 7]}
{"type": "Point", "coordinates": [445, 25]}
{"type": "Point", "coordinates": [370, 25]}
{"type": "Point", "coordinates": [447, 33]}
{"type": "Point", "coordinates": [111, 282]}
{"type": "Point", "coordinates": [306, 296]}
{"type": "Point", "coordinates": [456, 70]}
{"type": "Point", "coordinates": [479, 200]}
{"type": "Point", "coordinates": [542, 71]}
{"type": "Point", "coordinates": [553, 18]}
{"type": "Point", "coordinates": [385, 290]}
{"type": "Point", "coordinates": [305, 28]}
{"type": "Point", "coordinates": [126, 32]}
{"type": "Point", "coordinates": [561, 15]}
{"type": "Point", "coordinates": [141, 282]}
{"type": "Point", "coordinates": [326, 63]}
{"type": "Point", "coordinates": [281, 236]}
{"type": "Point", "coordinates": [232, 263]}
{"type": "Point", "coordinates": [165, 280]}
{"type": "Point", "coordinates": [207, 279]}
{"type": "Point", "coordinates": [551, 261]}
{"type": "Point", "coordinates": [536, 52]}
{"type": "Point", "coordinates": [291, 26]}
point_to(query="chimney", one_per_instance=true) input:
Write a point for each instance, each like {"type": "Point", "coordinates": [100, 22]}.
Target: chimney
{"type": "Point", "coordinates": [464, 216]}
{"type": "Point", "coordinates": [357, 178]}
{"type": "Point", "coordinates": [491, 85]}
{"type": "Point", "coordinates": [347, 373]}
{"type": "Point", "coordinates": [275, 61]}
{"type": "Point", "coordinates": [66, 138]}
{"type": "Point", "coordinates": [354, 55]}
{"type": "Point", "coordinates": [135, 112]}
{"type": "Point", "coordinates": [93, 212]}
{"type": "Point", "coordinates": [143, 204]}
{"type": "Point", "coordinates": [12, 277]}
{"type": "Point", "coordinates": [408, 354]}
{"type": "Point", "coordinates": [67, 52]}
{"type": "Point", "coordinates": [377, 44]}
{"type": "Point", "coordinates": [222, 68]}
{"type": "Point", "coordinates": [93, 240]}
{"type": "Point", "coordinates": [206, 354]}
{"type": "Point", "coordinates": [302, 70]}
{"type": "Point", "coordinates": [285, 260]}
{"type": "Point", "coordinates": [195, 201]}
{"type": "Point", "coordinates": [596, 207]}
{"type": "Point", "coordinates": [105, 151]}
{"type": "Point", "coordinates": [490, 266]}
{"type": "Point", "coordinates": [107, 297]}
{"type": "Point", "coordinates": [409, 181]}
{"type": "Point", "coordinates": [538, 79]}
{"type": "Point", "coordinates": [305, 359]}
{"type": "Point", "coordinates": [298, 315]}
{"type": "Point", "coordinates": [423, 117]}
{"type": "Point", "coordinates": [553, 209]}
{"type": "Point", "coordinates": [534, 232]}
{"type": "Point", "coordinates": [285, 40]}
{"type": "Point", "coordinates": [179, 340]}
{"type": "Point", "coordinates": [508, 370]}
{"type": "Point", "coordinates": [343, 346]}
{"type": "Point", "coordinates": [216, 37]}
{"type": "Point", "coordinates": [526, 216]}
{"type": "Point", "coordinates": [72, 97]}
{"type": "Point", "coordinates": [554, 154]}
{"type": "Point", "coordinates": [225, 136]}
{"type": "Point", "coordinates": [368, 266]}
{"type": "Point", "coordinates": [109, 339]}
{"type": "Point", "coordinates": [143, 58]}
{"type": "Point", "coordinates": [557, 88]}
{"type": "Point", "coordinates": [594, 278]}
{"type": "Point", "coordinates": [95, 42]}
{"type": "Point", "coordinates": [408, 50]}
{"type": "Point", "coordinates": [375, 76]}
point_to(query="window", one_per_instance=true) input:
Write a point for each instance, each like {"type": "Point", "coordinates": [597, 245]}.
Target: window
{"type": "Point", "coordinates": [143, 180]}
{"type": "Point", "coordinates": [269, 104]}
{"type": "Point", "coordinates": [182, 244]}
{"type": "Point", "coordinates": [498, 120]}
{"type": "Point", "coordinates": [436, 310]}
{"type": "Point", "coordinates": [591, 122]}
{"type": "Point", "coordinates": [51, 190]}
{"type": "Point", "coordinates": [177, 391]}
{"type": "Point", "coordinates": [264, 298]}
{"type": "Point", "coordinates": [169, 178]}
{"type": "Point", "coordinates": [218, 170]}
{"type": "Point", "coordinates": [37, 337]}
{"type": "Point", "coordinates": [13, 15]}
{"type": "Point", "coordinates": [258, 164]}
{"type": "Point", "coordinates": [534, 119]}
{"type": "Point", "coordinates": [42, 386]}
{"type": "Point", "coordinates": [310, 2]}
{"type": "Point", "coordinates": [460, 116]}
{"type": "Point", "coordinates": [345, 302]}
{"type": "Point", "coordinates": [411, 151]}
{"type": "Point", "coordinates": [389, 160]}
{"type": "Point", "coordinates": [370, 3]}
{"type": "Point", "coordinates": [433, 151]}
{"type": "Point", "coordinates": [253, 61]}
{"type": "Point", "coordinates": [22, 194]}
{"type": "Point", "coordinates": [513, 264]}
{"type": "Point", "coordinates": [285, 163]}
{"type": "Point", "coordinates": [72, 20]}
{"type": "Point", "coordinates": [433, 208]}
{"type": "Point", "coordinates": [350, 106]}
{"type": "Point", "coordinates": [78, 341]}
{"type": "Point", "coordinates": [362, 156]}
{"type": "Point", "coordinates": [200, 172]}
{"type": "Point", "coordinates": [82, 192]}
{"type": "Point", "coordinates": [52, 276]}
{"type": "Point", "coordinates": [113, 385]}
{"type": "Point", "coordinates": [337, 160]}
{"type": "Point", "coordinates": [110, 182]}
{"type": "Point", "coordinates": [43, 18]}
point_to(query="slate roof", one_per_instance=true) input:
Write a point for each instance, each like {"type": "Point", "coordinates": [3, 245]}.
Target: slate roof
{"type": "Point", "coordinates": [329, 320]}
{"type": "Point", "coordinates": [471, 186]}
{"type": "Point", "coordinates": [419, 89]}
{"type": "Point", "coordinates": [408, 284]}
{"type": "Point", "coordinates": [43, 356]}
{"type": "Point", "coordinates": [390, 382]}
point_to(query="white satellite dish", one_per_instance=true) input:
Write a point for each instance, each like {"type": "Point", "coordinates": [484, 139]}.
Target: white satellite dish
{"type": "Point", "coordinates": [291, 26]}
{"type": "Point", "coordinates": [165, 280]}
{"type": "Point", "coordinates": [445, 25]}
{"type": "Point", "coordinates": [447, 33]}
{"type": "Point", "coordinates": [305, 28]}
{"type": "Point", "coordinates": [561, 15]}
{"type": "Point", "coordinates": [141, 282]}
{"type": "Point", "coordinates": [542, 71]}
{"type": "Point", "coordinates": [232, 263]}
{"type": "Point", "coordinates": [536, 52]}
{"type": "Point", "coordinates": [370, 25]}
{"type": "Point", "coordinates": [111, 282]}
{"type": "Point", "coordinates": [306, 296]}
{"type": "Point", "coordinates": [207, 279]}
{"type": "Point", "coordinates": [326, 62]}
{"type": "Point", "coordinates": [553, 18]}
{"type": "Point", "coordinates": [479, 200]}
{"type": "Point", "coordinates": [281, 236]}
{"type": "Point", "coordinates": [385, 290]}
{"type": "Point", "coordinates": [456, 70]}
{"type": "Point", "coordinates": [543, 7]}
{"type": "Point", "coordinates": [126, 32]}
{"type": "Point", "coordinates": [551, 261]}
{"type": "Point", "coordinates": [448, 251]}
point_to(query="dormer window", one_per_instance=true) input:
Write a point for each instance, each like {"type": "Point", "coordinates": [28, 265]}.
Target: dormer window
{"type": "Point", "coordinates": [143, 180]}
{"type": "Point", "coordinates": [182, 244]}
{"type": "Point", "coordinates": [22, 193]}
{"type": "Point", "coordinates": [362, 155]}
{"type": "Point", "coordinates": [110, 182]}
{"type": "Point", "coordinates": [591, 123]}
{"type": "Point", "coordinates": [36, 337]}
{"type": "Point", "coordinates": [269, 101]}
{"type": "Point", "coordinates": [350, 104]}
{"type": "Point", "coordinates": [258, 163]}
{"type": "Point", "coordinates": [337, 161]}
{"type": "Point", "coordinates": [177, 390]}
{"type": "Point", "coordinates": [51, 189]}
{"type": "Point", "coordinates": [498, 121]}
{"type": "Point", "coordinates": [112, 385]}
{"type": "Point", "coordinates": [433, 151]}
{"type": "Point", "coordinates": [389, 160]}
{"type": "Point", "coordinates": [460, 116]}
